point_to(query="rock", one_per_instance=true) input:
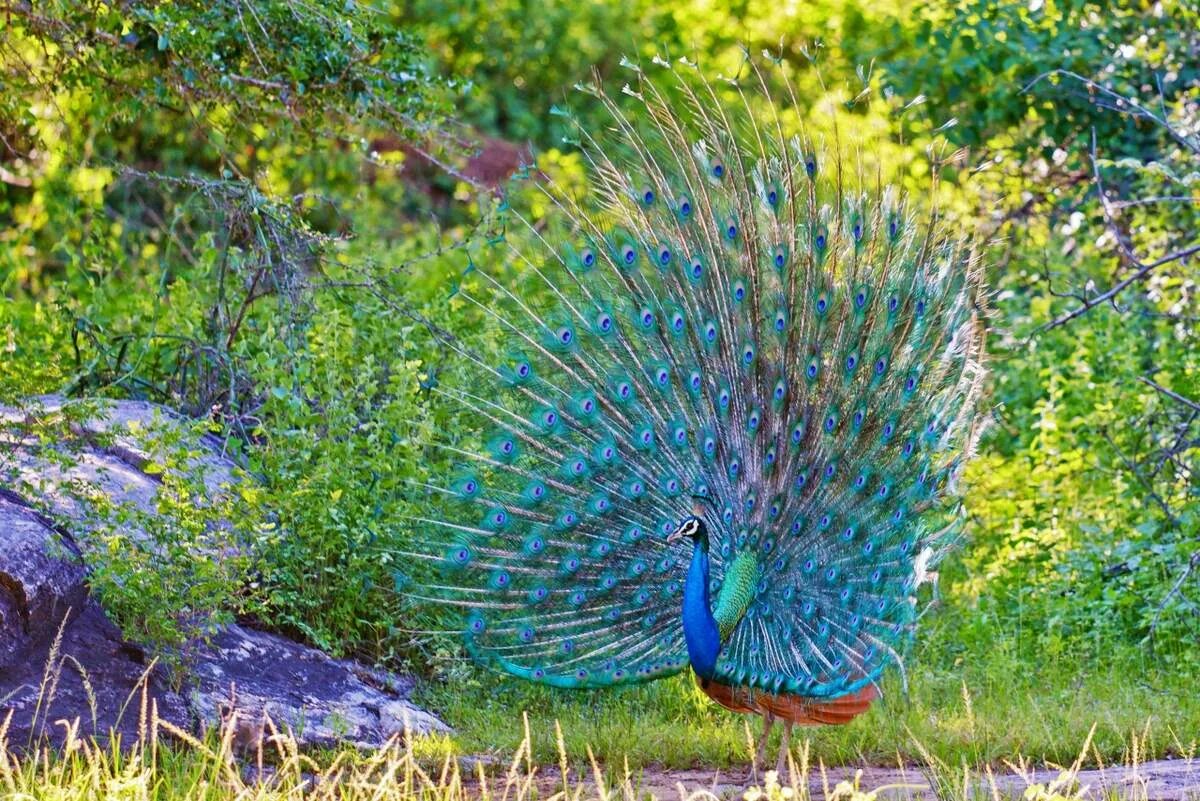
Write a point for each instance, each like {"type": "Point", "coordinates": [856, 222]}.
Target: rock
{"type": "Point", "coordinates": [108, 455]}
{"type": "Point", "coordinates": [63, 660]}
{"type": "Point", "coordinates": [321, 701]}
{"type": "Point", "coordinates": [37, 585]}
{"type": "Point", "coordinates": [93, 678]}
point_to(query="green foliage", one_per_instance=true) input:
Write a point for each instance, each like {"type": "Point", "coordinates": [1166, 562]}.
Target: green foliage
{"type": "Point", "coordinates": [1081, 117]}
{"type": "Point", "coordinates": [167, 567]}
{"type": "Point", "coordinates": [977, 61]}
{"type": "Point", "coordinates": [237, 66]}
{"type": "Point", "coordinates": [176, 571]}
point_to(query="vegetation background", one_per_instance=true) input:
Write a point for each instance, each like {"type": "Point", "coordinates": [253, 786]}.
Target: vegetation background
{"type": "Point", "coordinates": [240, 208]}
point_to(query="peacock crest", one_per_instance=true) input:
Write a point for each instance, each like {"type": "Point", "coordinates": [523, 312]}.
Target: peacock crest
{"type": "Point", "coordinates": [728, 323]}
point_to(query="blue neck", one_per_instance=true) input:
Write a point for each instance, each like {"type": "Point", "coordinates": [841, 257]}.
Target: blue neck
{"type": "Point", "coordinates": [699, 627]}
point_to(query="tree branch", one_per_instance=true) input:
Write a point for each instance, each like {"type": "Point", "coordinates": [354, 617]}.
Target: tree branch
{"type": "Point", "coordinates": [1143, 271]}
{"type": "Point", "coordinates": [1191, 404]}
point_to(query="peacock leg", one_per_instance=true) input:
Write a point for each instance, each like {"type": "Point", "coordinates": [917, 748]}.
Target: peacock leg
{"type": "Point", "coordinates": [783, 750]}
{"type": "Point", "coordinates": [761, 752]}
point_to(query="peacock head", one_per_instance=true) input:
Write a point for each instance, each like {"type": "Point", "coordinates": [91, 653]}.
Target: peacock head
{"type": "Point", "coordinates": [691, 527]}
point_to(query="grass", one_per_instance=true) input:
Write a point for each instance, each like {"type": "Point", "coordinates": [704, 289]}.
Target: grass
{"type": "Point", "coordinates": [971, 707]}
{"type": "Point", "coordinates": [956, 742]}
{"type": "Point", "coordinates": [167, 764]}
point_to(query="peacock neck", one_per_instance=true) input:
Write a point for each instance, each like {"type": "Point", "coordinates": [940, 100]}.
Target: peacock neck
{"type": "Point", "coordinates": [706, 627]}
{"type": "Point", "coordinates": [700, 630]}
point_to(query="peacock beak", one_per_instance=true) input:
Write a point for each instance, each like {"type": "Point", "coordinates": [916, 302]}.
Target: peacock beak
{"type": "Point", "coordinates": [675, 536]}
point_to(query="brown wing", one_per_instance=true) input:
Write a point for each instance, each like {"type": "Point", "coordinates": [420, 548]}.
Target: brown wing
{"type": "Point", "coordinates": [794, 708]}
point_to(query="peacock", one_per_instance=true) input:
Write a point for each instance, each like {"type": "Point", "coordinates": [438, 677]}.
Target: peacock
{"type": "Point", "coordinates": [738, 380]}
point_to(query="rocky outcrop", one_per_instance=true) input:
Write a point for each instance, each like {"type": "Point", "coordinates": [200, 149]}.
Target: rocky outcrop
{"type": "Point", "coordinates": [40, 579]}
{"type": "Point", "coordinates": [62, 660]}
{"type": "Point", "coordinates": [321, 700]}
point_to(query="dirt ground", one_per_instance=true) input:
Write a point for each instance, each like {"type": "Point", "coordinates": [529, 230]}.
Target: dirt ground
{"type": "Point", "coordinates": [1161, 780]}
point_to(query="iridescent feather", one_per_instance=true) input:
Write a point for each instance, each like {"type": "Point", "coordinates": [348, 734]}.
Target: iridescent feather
{"type": "Point", "coordinates": [729, 313]}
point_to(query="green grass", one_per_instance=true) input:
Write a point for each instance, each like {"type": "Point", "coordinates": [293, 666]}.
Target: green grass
{"type": "Point", "coordinates": [962, 707]}
{"type": "Point", "coordinates": [167, 764]}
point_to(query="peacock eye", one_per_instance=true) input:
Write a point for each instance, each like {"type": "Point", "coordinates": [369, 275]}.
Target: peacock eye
{"type": "Point", "coordinates": [648, 196]}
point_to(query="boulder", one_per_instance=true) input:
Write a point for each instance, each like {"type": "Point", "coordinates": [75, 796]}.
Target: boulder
{"type": "Point", "coordinates": [320, 700]}
{"type": "Point", "coordinates": [62, 661]}
{"type": "Point", "coordinates": [40, 579]}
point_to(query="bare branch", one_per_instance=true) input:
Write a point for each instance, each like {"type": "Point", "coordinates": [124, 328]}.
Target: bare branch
{"type": "Point", "coordinates": [1105, 297]}
{"type": "Point", "coordinates": [1191, 404]}
{"type": "Point", "coordinates": [1121, 102]}
{"type": "Point", "coordinates": [1192, 563]}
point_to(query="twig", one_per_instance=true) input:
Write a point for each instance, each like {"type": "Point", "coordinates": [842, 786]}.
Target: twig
{"type": "Point", "coordinates": [1191, 404]}
{"type": "Point", "coordinates": [1143, 271]}
{"type": "Point", "coordinates": [1193, 561]}
{"type": "Point", "coordinates": [1133, 468]}
{"type": "Point", "coordinates": [1135, 106]}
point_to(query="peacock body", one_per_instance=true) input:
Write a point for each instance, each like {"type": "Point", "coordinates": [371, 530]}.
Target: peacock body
{"type": "Point", "coordinates": [740, 379]}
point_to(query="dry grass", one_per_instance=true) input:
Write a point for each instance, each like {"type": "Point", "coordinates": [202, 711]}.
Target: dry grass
{"type": "Point", "coordinates": [166, 763]}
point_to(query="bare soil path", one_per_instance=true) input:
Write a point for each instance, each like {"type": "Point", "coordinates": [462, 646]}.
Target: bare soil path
{"type": "Point", "coordinates": [1159, 780]}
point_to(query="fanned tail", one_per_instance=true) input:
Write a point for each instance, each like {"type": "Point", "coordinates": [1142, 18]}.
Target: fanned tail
{"type": "Point", "coordinates": [728, 312]}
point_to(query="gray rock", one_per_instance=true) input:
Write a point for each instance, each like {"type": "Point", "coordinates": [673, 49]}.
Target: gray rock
{"type": "Point", "coordinates": [319, 700]}
{"type": "Point", "coordinates": [107, 455]}
{"type": "Point", "coordinates": [93, 679]}
{"type": "Point", "coordinates": [62, 660]}
{"type": "Point", "coordinates": [37, 585]}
